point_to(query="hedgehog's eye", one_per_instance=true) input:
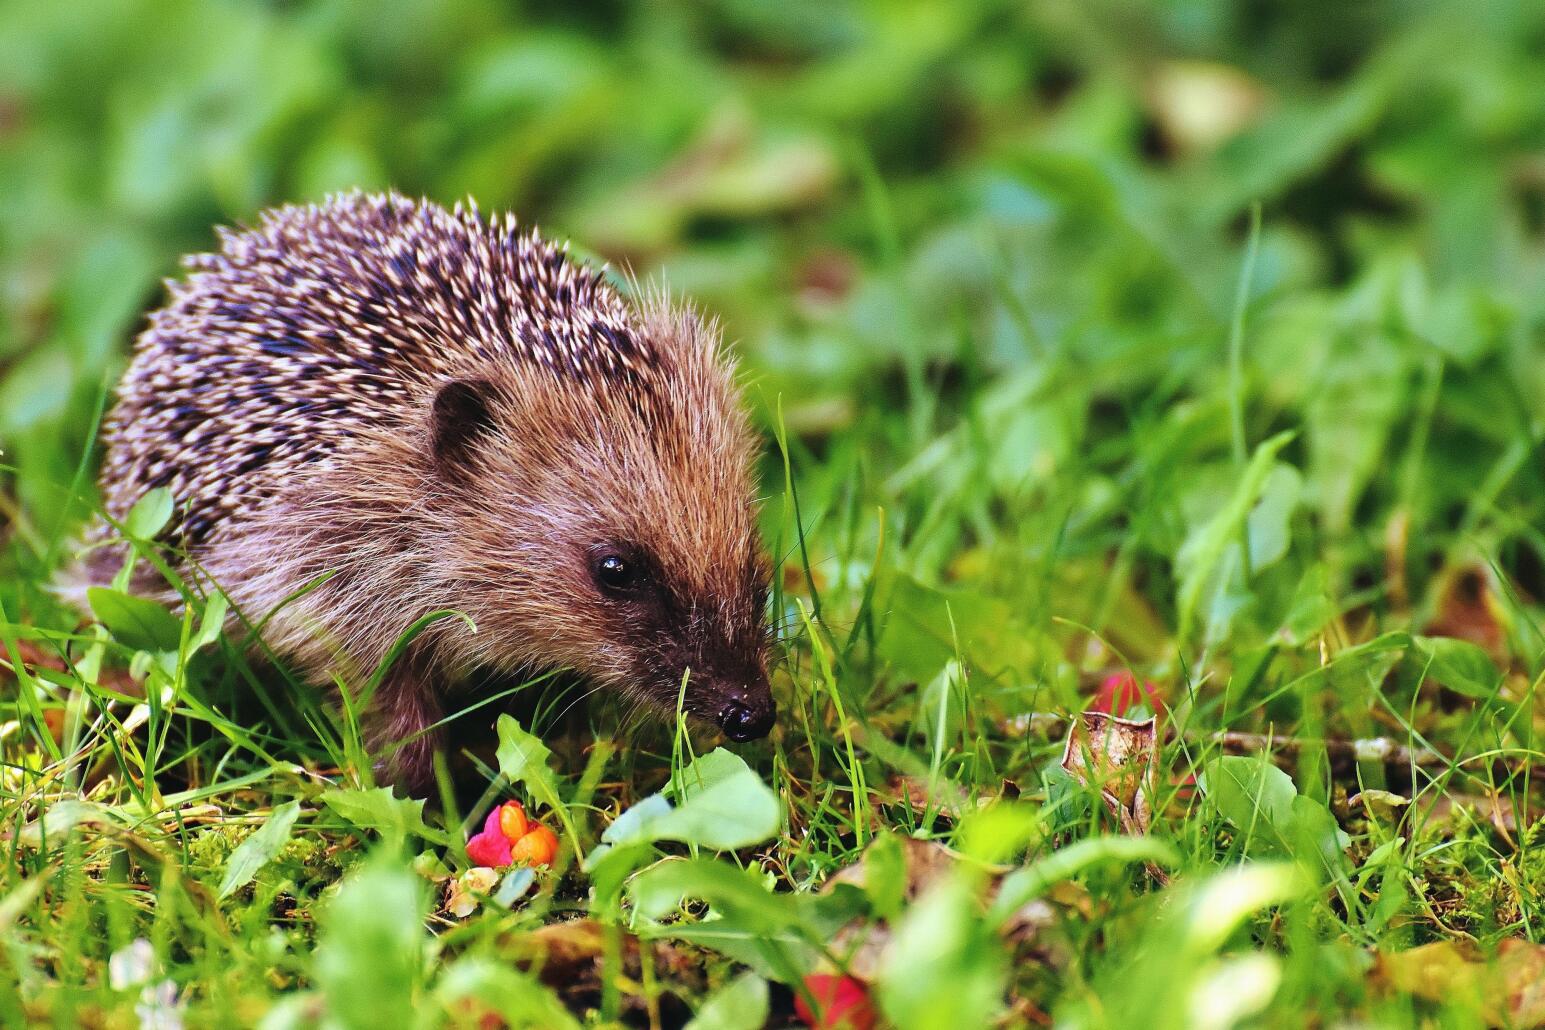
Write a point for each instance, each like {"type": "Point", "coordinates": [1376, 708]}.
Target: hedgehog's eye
{"type": "Point", "coordinates": [615, 574]}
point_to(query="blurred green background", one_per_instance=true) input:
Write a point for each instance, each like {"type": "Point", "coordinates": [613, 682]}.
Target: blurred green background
{"type": "Point", "coordinates": [993, 267]}
{"type": "Point", "coordinates": [984, 254]}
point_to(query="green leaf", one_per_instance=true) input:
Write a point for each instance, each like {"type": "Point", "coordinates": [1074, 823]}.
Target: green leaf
{"type": "Point", "coordinates": [1199, 560]}
{"type": "Point", "coordinates": [941, 707]}
{"type": "Point", "coordinates": [517, 883]}
{"type": "Point", "coordinates": [1460, 666]}
{"type": "Point", "coordinates": [780, 935]}
{"type": "Point", "coordinates": [135, 622]}
{"type": "Point", "coordinates": [781, 955]}
{"type": "Point", "coordinates": [259, 849]}
{"type": "Point", "coordinates": [704, 772]}
{"type": "Point", "coordinates": [392, 817]}
{"type": "Point", "coordinates": [1031, 881]}
{"type": "Point", "coordinates": [925, 627]}
{"type": "Point", "coordinates": [1254, 795]}
{"type": "Point", "coordinates": [723, 805]}
{"type": "Point", "coordinates": [1269, 522]}
{"type": "Point", "coordinates": [519, 1000]}
{"type": "Point", "coordinates": [149, 515]}
{"type": "Point", "coordinates": [609, 868]}
{"type": "Point", "coordinates": [55, 821]}
{"type": "Point", "coordinates": [523, 759]}
{"type": "Point", "coordinates": [659, 891]}
{"type": "Point", "coordinates": [1263, 803]}
{"type": "Point", "coordinates": [885, 876]}
{"type": "Point", "coordinates": [370, 959]}
{"type": "Point", "coordinates": [1311, 608]}
{"type": "Point", "coordinates": [740, 1004]}
{"type": "Point", "coordinates": [944, 968]}
{"type": "Point", "coordinates": [1219, 904]}
{"type": "Point", "coordinates": [1318, 841]}
{"type": "Point", "coordinates": [636, 825]}
{"type": "Point", "coordinates": [999, 831]}
{"type": "Point", "coordinates": [213, 622]}
{"type": "Point", "coordinates": [1169, 968]}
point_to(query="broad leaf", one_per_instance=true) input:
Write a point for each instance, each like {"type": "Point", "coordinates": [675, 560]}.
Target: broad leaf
{"type": "Point", "coordinates": [135, 622]}
{"type": "Point", "coordinates": [523, 759]}
{"type": "Point", "coordinates": [213, 622]}
{"type": "Point", "coordinates": [658, 891]}
{"type": "Point", "coordinates": [1254, 795]}
{"type": "Point", "coordinates": [511, 997]}
{"type": "Point", "coordinates": [740, 1004]}
{"type": "Point", "coordinates": [392, 817]}
{"type": "Point", "coordinates": [1262, 802]}
{"type": "Point", "coordinates": [259, 849]}
{"type": "Point", "coordinates": [1460, 666]}
{"type": "Point", "coordinates": [1199, 561]}
{"type": "Point", "coordinates": [149, 515]}
{"type": "Point", "coordinates": [723, 805]}
{"type": "Point", "coordinates": [944, 967]}
{"type": "Point", "coordinates": [370, 958]}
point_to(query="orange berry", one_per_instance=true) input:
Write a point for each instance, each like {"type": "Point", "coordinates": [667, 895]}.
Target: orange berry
{"type": "Point", "coordinates": [538, 847]}
{"type": "Point", "coordinates": [512, 821]}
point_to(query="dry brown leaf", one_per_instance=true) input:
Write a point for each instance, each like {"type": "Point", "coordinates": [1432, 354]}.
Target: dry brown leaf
{"type": "Point", "coordinates": [1495, 809]}
{"type": "Point", "coordinates": [1509, 990]}
{"type": "Point", "coordinates": [1115, 756]}
{"type": "Point", "coordinates": [570, 957]}
{"type": "Point", "coordinates": [926, 862]}
{"type": "Point", "coordinates": [940, 798]}
{"type": "Point", "coordinates": [1468, 609]}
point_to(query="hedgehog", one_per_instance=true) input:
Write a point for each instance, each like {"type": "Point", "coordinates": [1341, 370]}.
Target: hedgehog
{"type": "Point", "coordinates": [377, 408]}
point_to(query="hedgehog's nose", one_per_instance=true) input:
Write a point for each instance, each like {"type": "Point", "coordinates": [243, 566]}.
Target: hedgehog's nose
{"type": "Point", "coordinates": [742, 722]}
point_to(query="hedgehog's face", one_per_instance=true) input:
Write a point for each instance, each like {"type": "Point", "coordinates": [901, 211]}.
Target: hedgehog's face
{"type": "Point", "coordinates": [614, 539]}
{"type": "Point", "coordinates": [676, 640]}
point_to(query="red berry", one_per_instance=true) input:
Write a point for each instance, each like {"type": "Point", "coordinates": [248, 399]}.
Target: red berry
{"type": "Point", "coordinates": [490, 847]}
{"type": "Point", "coordinates": [1121, 691]}
{"type": "Point", "coordinates": [538, 847]}
{"type": "Point", "coordinates": [843, 1003]}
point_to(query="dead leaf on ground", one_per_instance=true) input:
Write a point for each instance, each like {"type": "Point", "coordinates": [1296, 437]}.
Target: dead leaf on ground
{"type": "Point", "coordinates": [1469, 609]}
{"type": "Point", "coordinates": [1509, 990]}
{"type": "Point", "coordinates": [926, 862]}
{"type": "Point", "coordinates": [1116, 757]}
{"type": "Point", "coordinates": [1495, 809]}
{"type": "Point", "coordinates": [569, 957]}
{"type": "Point", "coordinates": [930, 798]}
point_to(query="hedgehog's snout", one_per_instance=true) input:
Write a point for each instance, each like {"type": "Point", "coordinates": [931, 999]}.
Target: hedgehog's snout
{"type": "Point", "coordinates": [743, 722]}
{"type": "Point", "coordinates": [747, 714]}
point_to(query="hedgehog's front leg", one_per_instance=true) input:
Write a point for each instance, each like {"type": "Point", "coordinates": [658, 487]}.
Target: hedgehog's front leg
{"type": "Point", "coordinates": [398, 726]}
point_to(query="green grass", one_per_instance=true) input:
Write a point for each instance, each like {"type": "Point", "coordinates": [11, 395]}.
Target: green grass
{"type": "Point", "coordinates": [1061, 378]}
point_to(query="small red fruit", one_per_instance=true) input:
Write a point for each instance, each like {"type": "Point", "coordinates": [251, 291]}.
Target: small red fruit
{"type": "Point", "coordinates": [490, 847]}
{"type": "Point", "coordinates": [1120, 691]}
{"type": "Point", "coordinates": [843, 1003]}
{"type": "Point", "coordinates": [538, 847]}
{"type": "Point", "coordinates": [512, 820]}
{"type": "Point", "coordinates": [508, 838]}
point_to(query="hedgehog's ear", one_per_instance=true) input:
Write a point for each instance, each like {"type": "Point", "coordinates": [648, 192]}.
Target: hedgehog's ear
{"type": "Point", "coordinates": [462, 415]}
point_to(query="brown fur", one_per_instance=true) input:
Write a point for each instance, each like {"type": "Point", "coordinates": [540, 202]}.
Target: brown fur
{"type": "Point", "coordinates": [608, 427]}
